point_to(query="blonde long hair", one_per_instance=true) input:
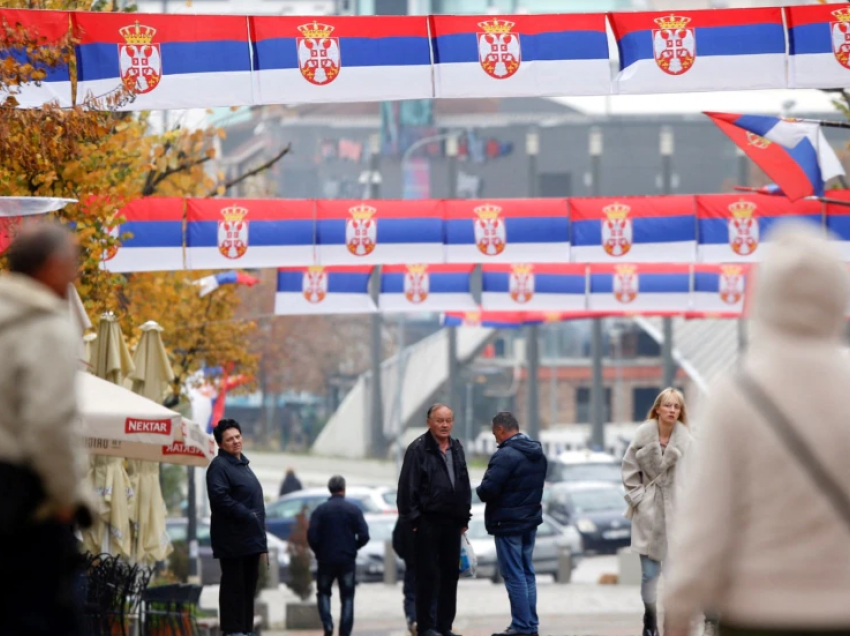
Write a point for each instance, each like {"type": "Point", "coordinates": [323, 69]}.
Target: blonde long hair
{"type": "Point", "coordinates": [670, 391]}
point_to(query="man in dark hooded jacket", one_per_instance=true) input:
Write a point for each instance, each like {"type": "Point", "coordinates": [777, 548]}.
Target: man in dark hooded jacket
{"type": "Point", "coordinates": [512, 488]}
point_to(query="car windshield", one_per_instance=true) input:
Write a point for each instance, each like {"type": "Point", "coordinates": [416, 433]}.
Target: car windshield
{"type": "Point", "coordinates": [390, 497]}
{"type": "Point", "coordinates": [601, 471]}
{"type": "Point", "coordinates": [381, 530]}
{"type": "Point", "coordinates": [477, 530]}
{"type": "Point", "coordinates": [597, 500]}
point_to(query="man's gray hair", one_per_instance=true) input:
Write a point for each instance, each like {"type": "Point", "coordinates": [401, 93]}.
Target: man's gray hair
{"type": "Point", "coordinates": [336, 484]}
{"type": "Point", "coordinates": [35, 245]}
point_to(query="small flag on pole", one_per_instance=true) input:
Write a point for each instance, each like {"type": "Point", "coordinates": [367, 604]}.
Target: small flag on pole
{"type": "Point", "coordinates": [209, 284]}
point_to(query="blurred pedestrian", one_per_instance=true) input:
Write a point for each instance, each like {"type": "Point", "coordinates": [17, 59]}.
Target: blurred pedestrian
{"type": "Point", "coordinates": [42, 463]}
{"type": "Point", "coordinates": [337, 531]}
{"type": "Point", "coordinates": [435, 497]}
{"type": "Point", "coordinates": [291, 483]}
{"type": "Point", "coordinates": [765, 524]}
{"type": "Point", "coordinates": [237, 529]}
{"type": "Point", "coordinates": [651, 471]}
{"type": "Point", "coordinates": [512, 488]}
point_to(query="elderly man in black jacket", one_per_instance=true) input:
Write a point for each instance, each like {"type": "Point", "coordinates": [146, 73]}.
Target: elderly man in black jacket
{"type": "Point", "coordinates": [435, 497]}
{"type": "Point", "coordinates": [512, 488]}
{"type": "Point", "coordinates": [337, 531]}
{"type": "Point", "coordinates": [237, 528]}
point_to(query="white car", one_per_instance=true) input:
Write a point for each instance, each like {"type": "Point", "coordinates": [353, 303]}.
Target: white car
{"type": "Point", "coordinates": [586, 465]}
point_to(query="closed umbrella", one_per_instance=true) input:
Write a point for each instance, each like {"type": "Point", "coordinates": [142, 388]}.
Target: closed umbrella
{"type": "Point", "coordinates": [153, 373]}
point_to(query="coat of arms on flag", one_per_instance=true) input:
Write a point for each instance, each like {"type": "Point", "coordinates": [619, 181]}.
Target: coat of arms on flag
{"type": "Point", "coordinates": [318, 53]}
{"type": "Point", "coordinates": [139, 59]}
{"type": "Point", "coordinates": [416, 283]}
{"type": "Point", "coordinates": [490, 236]}
{"type": "Point", "coordinates": [674, 44]}
{"type": "Point", "coordinates": [840, 30]}
{"type": "Point", "coordinates": [361, 230]}
{"type": "Point", "coordinates": [757, 140]}
{"type": "Point", "coordinates": [110, 252]}
{"type": "Point", "coordinates": [233, 233]}
{"type": "Point", "coordinates": [731, 284]}
{"type": "Point", "coordinates": [472, 319]}
{"type": "Point", "coordinates": [521, 283]}
{"type": "Point", "coordinates": [616, 229]}
{"type": "Point", "coordinates": [498, 48]}
{"type": "Point", "coordinates": [314, 284]}
{"type": "Point", "coordinates": [625, 283]}
{"type": "Point", "coordinates": [743, 228]}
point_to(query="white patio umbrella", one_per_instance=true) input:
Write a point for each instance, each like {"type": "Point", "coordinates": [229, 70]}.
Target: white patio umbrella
{"type": "Point", "coordinates": [29, 206]}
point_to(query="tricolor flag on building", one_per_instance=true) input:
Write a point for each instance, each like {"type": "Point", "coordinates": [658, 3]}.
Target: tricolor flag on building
{"type": "Point", "coordinates": [507, 230]}
{"type": "Point", "coordinates": [341, 59]}
{"type": "Point", "coordinates": [732, 227]}
{"type": "Point", "coordinates": [323, 290]}
{"type": "Point", "coordinates": [379, 232]}
{"type": "Point", "coordinates": [43, 27]}
{"type": "Point", "coordinates": [154, 230]}
{"type": "Point", "coordinates": [633, 229]}
{"type": "Point", "coordinates": [520, 55]}
{"type": "Point", "coordinates": [708, 50]}
{"type": "Point", "coordinates": [165, 61]}
{"type": "Point", "coordinates": [208, 284]}
{"type": "Point", "coordinates": [639, 288]}
{"type": "Point", "coordinates": [489, 319]}
{"type": "Point", "coordinates": [423, 287]}
{"type": "Point", "coordinates": [819, 46]}
{"type": "Point", "coordinates": [533, 287]}
{"type": "Point", "coordinates": [249, 233]}
{"type": "Point", "coordinates": [719, 291]}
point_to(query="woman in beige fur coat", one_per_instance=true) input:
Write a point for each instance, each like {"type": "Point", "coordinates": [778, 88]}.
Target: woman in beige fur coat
{"type": "Point", "coordinates": [650, 469]}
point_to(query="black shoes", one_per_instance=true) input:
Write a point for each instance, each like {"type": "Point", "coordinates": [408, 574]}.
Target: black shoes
{"type": "Point", "coordinates": [510, 631]}
{"type": "Point", "coordinates": [650, 620]}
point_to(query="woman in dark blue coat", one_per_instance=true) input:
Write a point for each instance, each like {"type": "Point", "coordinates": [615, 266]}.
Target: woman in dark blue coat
{"type": "Point", "coordinates": [237, 528]}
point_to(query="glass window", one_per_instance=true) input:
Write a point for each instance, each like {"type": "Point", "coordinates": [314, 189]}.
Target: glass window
{"type": "Point", "coordinates": [364, 502]}
{"type": "Point", "coordinates": [289, 508]}
{"type": "Point", "coordinates": [390, 497]}
{"type": "Point", "coordinates": [583, 405]}
{"type": "Point", "coordinates": [609, 471]}
{"type": "Point", "coordinates": [177, 532]}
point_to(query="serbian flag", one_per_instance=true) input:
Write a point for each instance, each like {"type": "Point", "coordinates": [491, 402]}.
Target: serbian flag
{"type": "Point", "coordinates": [819, 46]}
{"type": "Point", "coordinates": [537, 287]}
{"type": "Point", "coordinates": [46, 28]}
{"type": "Point", "coordinates": [423, 287]}
{"type": "Point", "coordinates": [639, 288]}
{"type": "Point", "coordinates": [489, 319]}
{"type": "Point", "coordinates": [732, 227]}
{"type": "Point", "coordinates": [165, 61]}
{"type": "Point", "coordinates": [838, 220]}
{"type": "Point", "coordinates": [208, 284]}
{"type": "Point", "coordinates": [249, 233]}
{"type": "Point", "coordinates": [507, 230]}
{"type": "Point", "coordinates": [719, 291]}
{"type": "Point", "coordinates": [795, 154]}
{"type": "Point", "coordinates": [709, 50]}
{"type": "Point", "coordinates": [633, 229]}
{"type": "Point", "coordinates": [379, 232]}
{"type": "Point", "coordinates": [520, 55]}
{"type": "Point", "coordinates": [153, 227]}
{"type": "Point", "coordinates": [323, 290]}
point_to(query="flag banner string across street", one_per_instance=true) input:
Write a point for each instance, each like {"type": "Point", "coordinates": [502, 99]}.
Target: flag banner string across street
{"type": "Point", "coordinates": [136, 61]}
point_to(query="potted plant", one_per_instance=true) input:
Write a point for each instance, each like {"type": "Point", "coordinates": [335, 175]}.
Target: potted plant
{"type": "Point", "coordinates": [303, 614]}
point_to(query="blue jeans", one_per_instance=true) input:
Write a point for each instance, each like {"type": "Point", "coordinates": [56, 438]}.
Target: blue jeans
{"type": "Point", "coordinates": [650, 570]}
{"type": "Point", "coordinates": [344, 574]}
{"type": "Point", "coordinates": [514, 552]}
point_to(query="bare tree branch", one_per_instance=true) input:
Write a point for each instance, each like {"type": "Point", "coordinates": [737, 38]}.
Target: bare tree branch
{"type": "Point", "coordinates": [151, 185]}
{"type": "Point", "coordinates": [261, 168]}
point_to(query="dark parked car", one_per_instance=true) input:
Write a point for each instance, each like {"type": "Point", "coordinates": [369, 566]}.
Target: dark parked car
{"type": "Point", "coordinates": [595, 509]}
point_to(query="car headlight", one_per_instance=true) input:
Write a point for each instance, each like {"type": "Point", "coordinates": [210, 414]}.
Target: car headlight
{"type": "Point", "coordinates": [586, 526]}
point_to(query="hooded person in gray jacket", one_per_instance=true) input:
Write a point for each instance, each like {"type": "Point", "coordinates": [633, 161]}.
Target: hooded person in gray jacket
{"type": "Point", "coordinates": [512, 488]}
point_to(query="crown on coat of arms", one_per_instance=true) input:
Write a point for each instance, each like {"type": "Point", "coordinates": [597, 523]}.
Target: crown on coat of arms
{"type": "Point", "coordinates": [742, 209]}
{"type": "Point", "coordinates": [472, 318]}
{"type": "Point", "coordinates": [417, 269]}
{"type": "Point", "coordinates": [137, 34]}
{"type": "Point", "coordinates": [523, 269]}
{"type": "Point", "coordinates": [362, 212]}
{"type": "Point", "coordinates": [625, 270]}
{"type": "Point", "coordinates": [316, 30]}
{"type": "Point", "coordinates": [487, 211]}
{"type": "Point", "coordinates": [496, 26]}
{"type": "Point", "coordinates": [616, 210]}
{"type": "Point", "coordinates": [552, 316]}
{"type": "Point", "coordinates": [316, 270]}
{"type": "Point", "coordinates": [730, 270]}
{"type": "Point", "coordinates": [672, 21]}
{"type": "Point", "coordinates": [842, 15]}
{"type": "Point", "coordinates": [234, 214]}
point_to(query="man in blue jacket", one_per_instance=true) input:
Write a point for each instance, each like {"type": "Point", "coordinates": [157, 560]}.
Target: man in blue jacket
{"type": "Point", "coordinates": [512, 488]}
{"type": "Point", "coordinates": [337, 531]}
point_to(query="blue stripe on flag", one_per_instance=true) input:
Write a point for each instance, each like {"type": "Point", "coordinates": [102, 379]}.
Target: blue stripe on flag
{"type": "Point", "coordinates": [60, 73]}
{"type": "Point", "coordinates": [667, 229]}
{"type": "Point", "coordinates": [753, 39]}
{"type": "Point", "coordinates": [706, 282]}
{"type": "Point", "coordinates": [552, 46]}
{"type": "Point", "coordinates": [345, 283]}
{"type": "Point", "coordinates": [545, 229]}
{"type": "Point", "coordinates": [100, 61]}
{"type": "Point", "coordinates": [153, 234]}
{"type": "Point", "coordinates": [282, 53]}
{"type": "Point", "coordinates": [647, 283]}
{"type": "Point", "coordinates": [260, 233]}
{"type": "Point", "coordinates": [839, 225]}
{"type": "Point", "coordinates": [416, 230]}
{"type": "Point", "coordinates": [810, 38]}
{"type": "Point", "coordinates": [716, 231]}
{"type": "Point", "coordinates": [499, 282]}
{"type": "Point", "coordinates": [437, 284]}
{"type": "Point", "coordinates": [290, 281]}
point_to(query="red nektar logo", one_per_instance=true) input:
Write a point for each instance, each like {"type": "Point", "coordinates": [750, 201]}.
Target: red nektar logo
{"type": "Point", "coordinates": [150, 427]}
{"type": "Point", "coordinates": [179, 448]}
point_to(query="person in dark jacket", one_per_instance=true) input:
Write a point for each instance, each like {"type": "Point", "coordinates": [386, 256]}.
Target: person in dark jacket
{"type": "Point", "coordinates": [237, 528]}
{"type": "Point", "coordinates": [435, 497]}
{"type": "Point", "coordinates": [403, 537]}
{"type": "Point", "coordinates": [291, 483]}
{"type": "Point", "coordinates": [512, 488]}
{"type": "Point", "coordinates": [337, 531]}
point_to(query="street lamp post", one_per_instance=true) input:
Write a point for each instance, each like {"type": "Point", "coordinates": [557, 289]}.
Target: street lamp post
{"type": "Point", "coordinates": [377, 403]}
{"type": "Point", "coordinates": [454, 368]}
{"type": "Point", "coordinates": [597, 413]}
{"type": "Point", "coordinates": [666, 147]}
{"type": "Point", "coordinates": [532, 337]}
